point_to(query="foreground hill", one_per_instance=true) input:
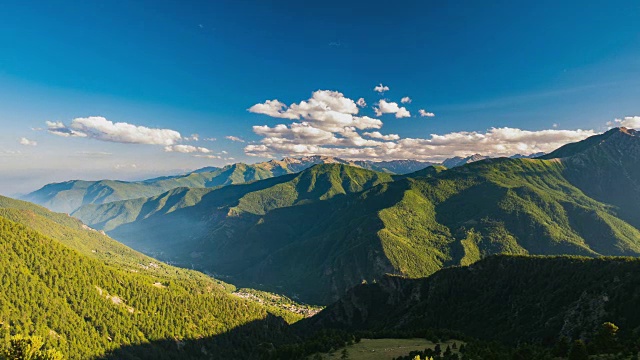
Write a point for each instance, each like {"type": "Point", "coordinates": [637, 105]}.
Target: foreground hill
{"type": "Point", "coordinates": [293, 234]}
{"type": "Point", "coordinates": [87, 295]}
{"type": "Point", "coordinates": [70, 195]}
{"type": "Point", "coordinates": [506, 298]}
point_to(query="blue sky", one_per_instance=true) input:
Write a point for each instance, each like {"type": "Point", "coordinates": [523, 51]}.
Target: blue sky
{"type": "Point", "coordinates": [196, 67]}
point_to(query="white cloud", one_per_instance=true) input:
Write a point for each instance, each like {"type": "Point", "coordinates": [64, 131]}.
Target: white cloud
{"type": "Point", "coordinates": [27, 142]}
{"type": "Point", "coordinates": [273, 108]}
{"type": "Point", "coordinates": [99, 128]}
{"type": "Point", "coordinates": [327, 110]}
{"type": "Point", "coordinates": [555, 126]}
{"type": "Point", "coordinates": [207, 156]}
{"type": "Point", "coordinates": [424, 113]}
{"type": "Point", "coordinates": [234, 138]}
{"type": "Point", "coordinates": [361, 102]}
{"type": "Point", "coordinates": [632, 122]}
{"type": "Point", "coordinates": [328, 124]}
{"type": "Point", "coordinates": [60, 129]}
{"type": "Point", "coordinates": [385, 107]}
{"type": "Point", "coordinates": [378, 135]}
{"type": "Point", "coordinates": [186, 149]}
{"type": "Point", "coordinates": [210, 139]}
{"type": "Point", "coordinates": [406, 100]}
{"type": "Point", "coordinates": [327, 118]}
{"type": "Point", "coordinates": [381, 88]}
{"type": "Point", "coordinates": [193, 137]}
{"type": "Point", "coordinates": [329, 107]}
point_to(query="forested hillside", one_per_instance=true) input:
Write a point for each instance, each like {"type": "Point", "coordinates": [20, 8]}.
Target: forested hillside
{"type": "Point", "coordinates": [87, 295]}
{"type": "Point", "coordinates": [511, 299]}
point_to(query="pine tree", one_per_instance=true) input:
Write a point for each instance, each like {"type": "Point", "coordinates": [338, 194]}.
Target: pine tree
{"type": "Point", "coordinates": [30, 348]}
{"type": "Point", "coordinates": [605, 340]}
{"type": "Point", "coordinates": [345, 354]}
{"type": "Point", "coordinates": [561, 349]}
{"type": "Point", "coordinates": [578, 351]}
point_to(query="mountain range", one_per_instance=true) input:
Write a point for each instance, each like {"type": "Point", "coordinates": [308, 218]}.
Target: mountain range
{"type": "Point", "coordinates": [317, 233]}
{"type": "Point", "coordinates": [70, 195]}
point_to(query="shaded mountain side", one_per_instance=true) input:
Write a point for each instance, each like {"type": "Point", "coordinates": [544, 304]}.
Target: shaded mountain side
{"type": "Point", "coordinates": [505, 298]}
{"type": "Point", "coordinates": [398, 167]}
{"type": "Point", "coordinates": [282, 235]}
{"type": "Point", "coordinates": [429, 171]}
{"type": "Point", "coordinates": [251, 341]}
{"type": "Point", "coordinates": [87, 295]}
{"type": "Point", "coordinates": [606, 167]}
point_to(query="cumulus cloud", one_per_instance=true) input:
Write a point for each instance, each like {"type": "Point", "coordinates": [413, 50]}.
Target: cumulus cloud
{"type": "Point", "coordinates": [328, 124]}
{"type": "Point", "coordinates": [99, 128]}
{"type": "Point", "coordinates": [361, 102]}
{"type": "Point", "coordinates": [234, 138]}
{"type": "Point", "coordinates": [381, 88]}
{"type": "Point", "coordinates": [193, 137]}
{"type": "Point", "coordinates": [186, 149]}
{"type": "Point", "coordinates": [60, 129]}
{"type": "Point", "coordinates": [207, 156]}
{"type": "Point", "coordinates": [27, 142]}
{"type": "Point", "coordinates": [406, 100]}
{"type": "Point", "coordinates": [328, 118]}
{"type": "Point", "coordinates": [378, 135]}
{"type": "Point", "coordinates": [385, 107]}
{"type": "Point", "coordinates": [632, 122]}
{"type": "Point", "coordinates": [424, 113]}
{"type": "Point", "coordinates": [273, 108]}
{"type": "Point", "coordinates": [326, 110]}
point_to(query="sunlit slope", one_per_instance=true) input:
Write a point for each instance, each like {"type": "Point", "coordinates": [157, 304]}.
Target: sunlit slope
{"type": "Point", "coordinates": [86, 294]}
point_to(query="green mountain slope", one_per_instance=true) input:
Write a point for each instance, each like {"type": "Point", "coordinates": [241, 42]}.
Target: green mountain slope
{"type": "Point", "coordinates": [320, 182]}
{"type": "Point", "coordinates": [506, 298]}
{"type": "Point", "coordinates": [88, 295]}
{"type": "Point", "coordinates": [71, 195]}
